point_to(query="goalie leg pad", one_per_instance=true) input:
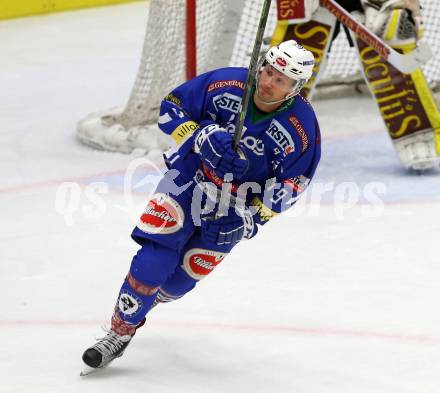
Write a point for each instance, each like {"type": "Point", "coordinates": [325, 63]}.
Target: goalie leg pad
{"type": "Point", "coordinates": [407, 106]}
{"type": "Point", "coordinates": [314, 35]}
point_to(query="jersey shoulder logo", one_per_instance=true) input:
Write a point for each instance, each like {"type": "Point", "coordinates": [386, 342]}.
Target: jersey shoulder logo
{"type": "Point", "coordinates": [226, 83]}
{"type": "Point", "coordinates": [301, 132]}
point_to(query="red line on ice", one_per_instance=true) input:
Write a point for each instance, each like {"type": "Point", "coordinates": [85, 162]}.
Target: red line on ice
{"type": "Point", "coordinates": [48, 183]}
{"type": "Point", "coordinates": [423, 339]}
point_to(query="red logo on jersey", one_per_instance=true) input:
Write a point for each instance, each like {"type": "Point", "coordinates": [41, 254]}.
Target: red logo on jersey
{"type": "Point", "coordinates": [198, 263]}
{"type": "Point", "coordinates": [281, 62]}
{"type": "Point", "coordinates": [218, 181]}
{"type": "Point", "coordinates": [162, 215]}
{"type": "Point", "coordinates": [288, 150]}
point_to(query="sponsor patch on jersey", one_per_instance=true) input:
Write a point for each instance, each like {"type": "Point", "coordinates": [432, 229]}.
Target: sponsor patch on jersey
{"type": "Point", "coordinates": [253, 144]}
{"type": "Point", "coordinates": [172, 98]}
{"type": "Point", "coordinates": [281, 137]}
{"type": "Point", "coordinates": [301, 132]}
{"type": "Point", "coordinates": [183, 131]}
{"type": "Point", "coordinates": [226, 83]}
{"type": "Point", "coordinates": [129, 304]}
{"type": "Point", "coordinates": [227, 101]}
{"type": "Point", "coordinates": [162, 215]}
{"type": "Point", "coordinates": [217, 180]}
{"type": "Point", "coordinates": [298, 183]}
{"type": "Point", "coordinates": [198, 262]}
{"type": "Point", "coordinates": [263, 212]}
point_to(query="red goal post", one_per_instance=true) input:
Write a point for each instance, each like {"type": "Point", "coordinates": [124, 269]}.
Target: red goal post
{"type": "Point", "coordinates": [124, 129]}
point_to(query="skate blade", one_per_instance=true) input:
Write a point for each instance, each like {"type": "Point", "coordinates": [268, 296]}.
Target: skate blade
{"type": "Point", "coordinates": [88, 370]}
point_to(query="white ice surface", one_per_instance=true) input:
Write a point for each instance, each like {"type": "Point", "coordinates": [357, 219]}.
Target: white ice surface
{"type": "Point", "coordinates": [332, 298]}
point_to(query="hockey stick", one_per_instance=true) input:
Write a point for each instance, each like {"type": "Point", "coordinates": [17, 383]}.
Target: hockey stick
{"type": "Point", "coordinates": [404, 63]}
{"type": "Point", "coordinates": [251, 73]}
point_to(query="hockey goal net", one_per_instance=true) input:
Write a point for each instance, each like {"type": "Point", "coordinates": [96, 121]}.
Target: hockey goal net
{"type": "Point", "coordinates": [124, 129]}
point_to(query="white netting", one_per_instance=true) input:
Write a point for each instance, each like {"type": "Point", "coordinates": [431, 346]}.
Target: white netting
{"type": "Point", "coordinates": [155, 55]}
{"type": "Point", "coordinates": [165, 35]}
{"type": "Point", "coordinates": [125, 129]}
{"type": "Point", "coordinates": [343, 64]}
{"type": "Point", "coordinates": [247, 30]}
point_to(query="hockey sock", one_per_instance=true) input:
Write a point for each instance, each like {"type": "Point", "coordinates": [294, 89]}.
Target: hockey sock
{"type": "Point", "coordinates": [150, 268]}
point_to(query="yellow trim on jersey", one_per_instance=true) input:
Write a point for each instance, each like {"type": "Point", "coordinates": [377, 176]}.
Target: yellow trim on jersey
{"type": "Point", "coordinates": [263, 211]}
{"type": "Point", "coordinates": [279, 32]}
{"type": "Point", "coordinates": [183, 131]}
{"type": "Point", "coordinates": [429, 104]}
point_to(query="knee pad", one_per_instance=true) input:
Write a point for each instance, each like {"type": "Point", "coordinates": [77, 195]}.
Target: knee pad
{"type": "Point", "coordinates": [176, 286]}
{"type": "Point", "coordinates": [153, 264]}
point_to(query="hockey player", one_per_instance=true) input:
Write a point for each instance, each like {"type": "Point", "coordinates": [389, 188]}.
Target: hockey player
{"type": "Point", "coordinates": [405, 101]}
{"type": "Point", "coordinates": [192, 222]}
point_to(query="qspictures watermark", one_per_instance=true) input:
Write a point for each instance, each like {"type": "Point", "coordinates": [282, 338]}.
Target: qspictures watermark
{"type": "Point", "coordinates": [73, 200]}
{"type": "Point", "coordinates": [76, 201]}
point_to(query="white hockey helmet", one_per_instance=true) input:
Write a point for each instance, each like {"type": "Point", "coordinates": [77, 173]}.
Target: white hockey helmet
{"type": "Point", "coordinates": [292, 60]}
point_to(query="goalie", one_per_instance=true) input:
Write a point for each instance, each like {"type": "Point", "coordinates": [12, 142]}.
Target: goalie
{"type": "Point", "coordinates": [405, 101]}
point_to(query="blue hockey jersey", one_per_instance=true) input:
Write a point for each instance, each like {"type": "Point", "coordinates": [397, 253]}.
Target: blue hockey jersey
{"type": "Point", "coordinates": [282, 147]}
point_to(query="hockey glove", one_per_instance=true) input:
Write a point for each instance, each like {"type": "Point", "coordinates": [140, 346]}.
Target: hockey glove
{"type": "Point", "coordinates": [384, 17]}
{"type": "Point", "coordinates": [213, 144]}
{"type": "Point", "coordinates": [230, 229]}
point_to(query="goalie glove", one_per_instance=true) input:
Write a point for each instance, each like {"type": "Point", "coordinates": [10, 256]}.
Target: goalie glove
{"type": "Point", "coordinates": [399, 22]}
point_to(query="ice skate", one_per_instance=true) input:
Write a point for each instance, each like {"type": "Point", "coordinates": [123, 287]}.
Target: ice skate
{"type": "Point", "coordinates": [110, 347]}
{"type": "Point", "coordinates": [105, 351]}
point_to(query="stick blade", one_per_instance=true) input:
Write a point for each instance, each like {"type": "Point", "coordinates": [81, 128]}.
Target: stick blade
{"type": "Point", "coordinates": [407, 63]}
{"type": "Point", "coordinates": [423, 52]}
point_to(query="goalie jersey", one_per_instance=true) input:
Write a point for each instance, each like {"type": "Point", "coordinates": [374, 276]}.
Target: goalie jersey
{"type": "Point", "coordinates": [282, 147]}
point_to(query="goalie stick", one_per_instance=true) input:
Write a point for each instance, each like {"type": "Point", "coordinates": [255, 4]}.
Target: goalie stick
{"type": "Point", "coordinates": [251, 73]}
{"type": "Point", "coordinates": [405, 63]}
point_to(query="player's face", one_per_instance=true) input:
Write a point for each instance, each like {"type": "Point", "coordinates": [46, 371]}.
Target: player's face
{"type": "Point", "coordinates": [273, 85]}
